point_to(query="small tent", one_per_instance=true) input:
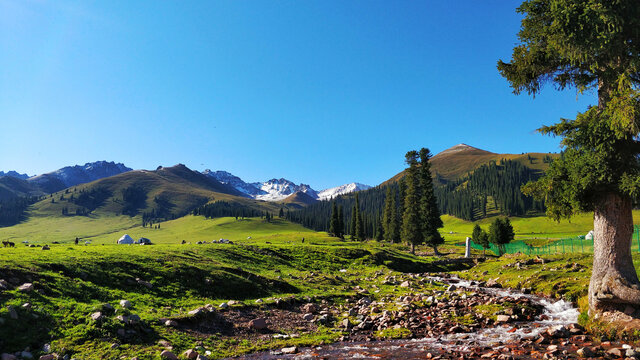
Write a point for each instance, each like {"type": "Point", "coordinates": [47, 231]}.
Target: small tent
{"type": "Point", "coordinates": [589, 235]}
{"type": "Point", "coordinates": [126, 239]}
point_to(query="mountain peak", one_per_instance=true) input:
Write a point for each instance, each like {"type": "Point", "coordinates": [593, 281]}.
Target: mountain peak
{"type": "Point", "coordinates": [463, 148]}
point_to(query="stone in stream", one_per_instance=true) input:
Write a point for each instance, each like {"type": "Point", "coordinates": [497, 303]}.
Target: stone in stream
{"type": "Point", "coordinates": [503, 318]}
{"type": "Point", "coordinates": [585, 352]}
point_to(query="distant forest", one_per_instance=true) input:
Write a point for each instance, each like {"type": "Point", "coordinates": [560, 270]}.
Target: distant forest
{"type": "Point", "coordinates": [491, 188]}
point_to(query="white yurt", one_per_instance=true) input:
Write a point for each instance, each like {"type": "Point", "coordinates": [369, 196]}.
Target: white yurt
{"type": "Point", "coordinates": [589, 235]}
{"type": "Point", "coordinates": [126, 239]}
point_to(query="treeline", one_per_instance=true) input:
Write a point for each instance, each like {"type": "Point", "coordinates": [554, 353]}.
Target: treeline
{"type": "Point", "coordinates": [226, 209]}
{"type": "Point", "coordinates": [494, 186]}
{"type": "Point", "coordinates": [318, 216]}
{"type": "Point", "coordinates": [13, 211]}
{"type": "Point", "coordinates": [468, 197]}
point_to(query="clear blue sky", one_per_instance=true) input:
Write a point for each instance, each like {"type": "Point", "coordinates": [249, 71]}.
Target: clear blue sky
{"type": "Point", "coordinates": [320, 92]}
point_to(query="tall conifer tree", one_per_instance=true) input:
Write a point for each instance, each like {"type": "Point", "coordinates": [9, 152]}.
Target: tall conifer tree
{"type": "Point", "coordinates": [429, 212]}
{"type": "Point", "coordinates": [411, 227]}
{"type": "Point", "coordinates": [340, 222]}
{"type": "Point", "coordinates": [359, 223]}
{"type": "Point", "coordinates": [334, 225]}
{"type": "Point", "coordinates": [387, 219]}
{"type": "Point", "coordinates": [354, 215]}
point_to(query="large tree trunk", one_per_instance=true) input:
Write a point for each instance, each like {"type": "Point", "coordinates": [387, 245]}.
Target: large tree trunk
{"type": "Point", "coordinates": [614, 282]}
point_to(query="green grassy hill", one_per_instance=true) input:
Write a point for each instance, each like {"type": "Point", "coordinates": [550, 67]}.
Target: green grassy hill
{"type": "Point", "coordinates": [458, 161]}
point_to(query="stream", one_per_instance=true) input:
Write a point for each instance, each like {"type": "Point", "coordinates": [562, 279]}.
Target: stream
{"type": "Point", "coordinates": [556, 312]}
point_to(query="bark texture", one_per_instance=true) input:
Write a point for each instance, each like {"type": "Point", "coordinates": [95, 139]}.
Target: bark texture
{"type": "Point", "coordinates": [614, 282]}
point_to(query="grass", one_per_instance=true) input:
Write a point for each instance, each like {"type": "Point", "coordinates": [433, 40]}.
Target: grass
{"type": "Point", "coordinates": [533, 229]}
{"type": "Point", "coordinates": [72, 282]}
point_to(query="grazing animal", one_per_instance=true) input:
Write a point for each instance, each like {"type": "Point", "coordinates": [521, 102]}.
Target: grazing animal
{"type": "Point", "coordinates": [9, 244]}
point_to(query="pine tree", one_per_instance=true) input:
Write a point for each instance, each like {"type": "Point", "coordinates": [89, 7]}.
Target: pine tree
{"type": "Point", "coordinates": [334, 225]}
{"type": "Point", "coordinates": [393, 234]}
{"type": "Point", "coordinates": [480, 237]}
{"type": "Point", "coordinates": [411, 227]}
{"type": "Point", "coordinates": [430, 214]}
{"type": "Point", "coordinates": [359, 222]}
{"type": "Point", "coordinates": [340, 222]}
{"type": "Point", "coordinates": [354, 212]}
{"type": "Point", "coordinates": [388, 213]}
{"type": "Point", "coordinates": [281, 214]}
{"type": "Point", "coordinates": [379, 230]}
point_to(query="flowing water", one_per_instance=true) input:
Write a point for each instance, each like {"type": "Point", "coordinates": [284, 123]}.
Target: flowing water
{"type": "Point", "coordinates": [556, 312]}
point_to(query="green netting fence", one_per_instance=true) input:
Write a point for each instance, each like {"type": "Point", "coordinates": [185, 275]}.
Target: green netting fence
{"type": "Point", "coordinates": [578, 244]}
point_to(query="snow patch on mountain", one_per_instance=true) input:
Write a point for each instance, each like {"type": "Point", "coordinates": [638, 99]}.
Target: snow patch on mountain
{"type": "Point", "coordinates": [331, 193]}
{"type": "Point", "coordinates": [280, 189]}
{"type": "Point", "coordinates": [234, 181]}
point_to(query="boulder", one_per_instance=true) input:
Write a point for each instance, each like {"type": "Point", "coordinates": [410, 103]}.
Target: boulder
{"type": "Point", "coordinates": [585, 352]}
{"type": "Point", "coordinates": [289, 350]}
{"type": "Point", "coordinates": [309, 308]}
{"type": "Point", "coordinates": [96, 316]}
{"type": "Point", "coordinates": [166, 354]}
{"type": "Point", "coordinates": [190, 354]}
{"type": "Point", "coordinates": [171, 323]}
{"type": "Point", "coordinates": [26, 287]}
{"type": "Point", "coordinates": [197, 312]}
{"type": "Point", "coordinates": [258, 324]}
{"type": "Point", "coordinates": [224, 305]}
{"type": "Point", "coordinates": [405, 284]}
{"type": "Point", "coordinates": [503, 319]}
{"type": "Point", "coordinates": [308, 316]}
{"type": "Point", "coordinates": [125, 304]}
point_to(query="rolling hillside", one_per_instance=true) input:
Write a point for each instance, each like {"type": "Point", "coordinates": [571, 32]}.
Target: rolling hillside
{"type": "Point", "coordinates": [457, 161]}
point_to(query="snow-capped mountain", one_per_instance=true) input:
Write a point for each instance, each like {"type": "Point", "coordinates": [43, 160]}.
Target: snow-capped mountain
{"type": "Point", "coordinates": [280, 189]}
{"type": "Point", "coordinates": [14, 174]}
{"type": "Point", "coordinates": [79, 174]}
{"type": "Point", "coordinates": [234, 181]}
{"type": "Point", "coordinates": [329, 194]}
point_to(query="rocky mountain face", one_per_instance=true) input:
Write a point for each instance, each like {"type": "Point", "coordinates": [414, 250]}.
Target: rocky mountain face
{"type": "Point", "coordinates": [79, 174]}
{"type": "Point", "coordinates": [331, 193]}
{"type": "Point", "coordinates": [14, 174]}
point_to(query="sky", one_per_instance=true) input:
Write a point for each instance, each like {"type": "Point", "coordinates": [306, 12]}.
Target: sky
{"type": "Point", "coordinates": [319, 92]}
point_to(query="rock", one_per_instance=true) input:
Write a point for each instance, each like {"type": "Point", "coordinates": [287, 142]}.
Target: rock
{"type": "Point", "coordinates": [631, 353]}
{"type": "Point", "coordinates": [232, 302]}
{"type": "Point", "coordinates": [224, 305]}
{"type": "Point", "coordinates": [493, 283]}
{"type": "Point", "coordinates": [134, 319]}
{"type": "Point", "coordinates": [13, 314]}
{"type": "Point", "coordinates": [258, 324]}
{"type": "Point", "coordinates": [125, 304]}
{"type": "Point", "coordinates": [96, 316]}
{"type": "Point", "coordinates": [201, 357]}
{"type": "Point", "coordinates": [558, 331]}
{"type": "Point", "coordinates": [308, 316]}
{"type": "Point", "coordinates": [289, 350]}
{"type": "Point", "coordinates": [146, 284]}
{"type": "Point", "coordinates": [26, 287]}
{"type": "Point", "coordinates": [616, 352]}
{"type": "Point", "coordinates": [190, 354]}
{"type": "Point", "coordinates": [503, 318]}
{"type": "Point", "coordinates": [196, 312]}
{"type": "Point", "coordinates": [585, 352]}
{"type": "Point", "coordinates": [26, 355]}
{"type": "Point", "coordinates": [166, 354]}
{"type": "Point", "coordinates": [309, 308]}
{"type": "Point", "coordinates": [171, 323]}
{"type": "Point", "coordinates": [405, 284]}
{"type": "Point", "coordinates": [259, 301]}
{"type": "Point", "coordinates": [114, 346]}
{"type": "Point", "coordinates": [47, 357]}
{"type": "Point", "coordinates": [346, 324]}
{"type": "Point", "coordinates": [4, 285]}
